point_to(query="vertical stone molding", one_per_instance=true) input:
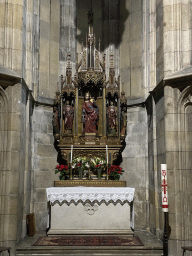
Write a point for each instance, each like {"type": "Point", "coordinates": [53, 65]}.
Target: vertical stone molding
{"type": "Point", "coordinates": [48, 47]}
{"type": "Point", "coordinates": [4, 192]}
{"type": "Point", "coordinates": [67, 35]}
{"type": "Point", "coordinates": [3, 129]}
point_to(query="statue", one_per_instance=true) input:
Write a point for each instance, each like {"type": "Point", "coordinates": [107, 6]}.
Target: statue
{"type": "Point", "coordinates": [90, 115]}
{"type": "Point", "coordinates": [112, 119]}
{"type": "Point", "coordinates": [123, 122]}
{"type": "Point", "coordinates": [68, 117]}
{"type": "Point", "coordinates": [55, 122]}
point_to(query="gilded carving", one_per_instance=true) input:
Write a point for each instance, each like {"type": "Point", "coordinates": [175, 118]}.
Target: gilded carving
{"type": "Point", "coordinates": [115, 155]}
{"type": "Point", "coordinates": [90, 183]}
{"type": "Point", "coordinates": [90, 126]}
{"type": "Point", "coordinates": [64, 155]}
{"type": "Point", "coordinates": [89, 153]}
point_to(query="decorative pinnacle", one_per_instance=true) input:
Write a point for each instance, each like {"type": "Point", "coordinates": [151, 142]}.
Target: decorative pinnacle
{"type": "Point", "coordinates": [69, 60]}
{"type": "Point", "coordinates": [111, 60]}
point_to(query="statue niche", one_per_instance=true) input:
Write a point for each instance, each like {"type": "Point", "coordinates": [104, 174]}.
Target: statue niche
{"type": "Point", "coordinates": [90, 115]}
{"type": "Point", "coordinates": [112, 119]}
{"type": "Point", "coordinates": [68, 116]}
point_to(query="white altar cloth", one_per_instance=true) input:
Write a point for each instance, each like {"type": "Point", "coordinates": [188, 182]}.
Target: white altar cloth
{"type": "Point", "coordinates": [93, 194]}
{"type": "Point", "coordinates": [86, 210]}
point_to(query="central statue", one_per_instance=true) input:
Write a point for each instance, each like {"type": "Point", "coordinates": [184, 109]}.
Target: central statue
{"type": "Point", "coordinates": [90, 115]}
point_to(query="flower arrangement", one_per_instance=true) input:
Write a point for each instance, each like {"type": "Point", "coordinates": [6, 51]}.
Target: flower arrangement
{"type": "Point", "coordinates": [63, 170]}
{"type": "Point", "coordinates": [115, 171]}
{"type": "Point", "coordinates": [80, 162]}
{"type": "Point", "coordinates": [98, 163]}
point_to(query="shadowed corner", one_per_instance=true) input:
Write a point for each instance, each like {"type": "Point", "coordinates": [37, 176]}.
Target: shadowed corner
{"type": "Point", "coordinates": [108, 24]}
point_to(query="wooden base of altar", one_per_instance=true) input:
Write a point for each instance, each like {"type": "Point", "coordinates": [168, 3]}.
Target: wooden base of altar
{"type": "Point", "coordinates": [89, 183]}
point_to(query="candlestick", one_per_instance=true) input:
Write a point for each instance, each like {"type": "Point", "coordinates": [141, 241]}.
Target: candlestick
{"type": "Point", "coordinates": [164, 187]}
{"type": "Point", "coordinates": [107, 153]}
{"type": "Point", "coordinates": [71, 154]}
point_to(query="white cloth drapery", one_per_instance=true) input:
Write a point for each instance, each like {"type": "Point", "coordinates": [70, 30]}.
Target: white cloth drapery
{"type": "Point", "coordinates": [99, 194]}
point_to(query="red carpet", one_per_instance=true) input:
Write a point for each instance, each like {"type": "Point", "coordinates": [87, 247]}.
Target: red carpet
{"type": "Point", "coordinates": [88, 241]}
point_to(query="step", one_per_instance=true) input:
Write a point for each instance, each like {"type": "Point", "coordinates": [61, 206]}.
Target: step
{"type": "Point", "coordinates": [152, 246]}
{"type": "Point", "coordinates": [91, 252]}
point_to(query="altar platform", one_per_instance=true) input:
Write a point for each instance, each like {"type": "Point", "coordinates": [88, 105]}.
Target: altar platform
{"type": "Point", "coordinates": [91, 210]}
{"type": "Point", "coordinates": [152, 247]}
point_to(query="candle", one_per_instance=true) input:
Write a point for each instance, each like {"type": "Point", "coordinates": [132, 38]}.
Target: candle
{"type": "Point", "coordinates": [71, 154]}
{"type": "Point", "coordinates": [164, 187]}
{"type": "Point", "coordinates": [107, 153]}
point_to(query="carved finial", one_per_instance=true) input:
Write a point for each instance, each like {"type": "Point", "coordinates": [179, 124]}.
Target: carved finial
{"type": "Point", "coordinates": [111, 60]}
{"type": "Point", "coordinates": [82, 45]}
{"type": "Point", "coordinates": [57, 92]}
{"type": "Point", "coordinates": [69, 60]}
{"type": "Point", "coordinates": [99, 45]}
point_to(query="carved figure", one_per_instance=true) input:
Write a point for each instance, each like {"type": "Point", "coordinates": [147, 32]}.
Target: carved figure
{"type": "Point", "coordinates": [90, 115]}
{"type": "Point", "coordinates": [123, 122]}
{"type": "Point", "coordinates": [112, 119]}
{"type": "Point", "coordinates": [68, 117]}
{"type": "Point", "coordinates": [55, 122]}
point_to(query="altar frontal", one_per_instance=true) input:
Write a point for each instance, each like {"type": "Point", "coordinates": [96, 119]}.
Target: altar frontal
{"type": "Point", "coordinates": [91, 210]}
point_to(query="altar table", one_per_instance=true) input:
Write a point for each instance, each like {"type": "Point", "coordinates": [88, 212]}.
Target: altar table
{"type": "Point", "coordinates": [91, 210]}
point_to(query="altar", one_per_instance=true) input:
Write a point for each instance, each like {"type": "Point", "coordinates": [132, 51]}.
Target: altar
{"type": "Point", "coordinates": [91, 210]}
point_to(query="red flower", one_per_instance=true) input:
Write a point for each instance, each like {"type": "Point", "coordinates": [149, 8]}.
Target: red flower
{"type": "Point", "coordinates": [79, 164]}
{"type": "Point", "coordinates": [98, 165]}
{"type": "Point", "coordinates": [115, 169]}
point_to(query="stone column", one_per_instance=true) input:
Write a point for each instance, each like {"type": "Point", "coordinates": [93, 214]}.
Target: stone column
{"type": "Point", "coordinates": [111, 33]}
{"type": "Point", "coordinates": [67, 35]}
{"type": "Point", "coordinates": [49, 48]}
{"type": "Point", "coordinates": [12, 18]}
{"type": "Point", "coordinates": [176, 35]}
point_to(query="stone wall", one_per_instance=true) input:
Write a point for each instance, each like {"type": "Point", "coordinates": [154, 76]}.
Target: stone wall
{"type": "Point", "coordinates": [43, 164]}
{"type": "Point", "coordinates": [48, 47]}
{"type": "Point", "coordinates": [135, 161]}
{"type": "Point", "coordinates": [178, 156]}
{"type": "Point", "coordinates": [169, 141]}
{"type": "Point", "coordinates": [15, 173]}
{"type": "Point", "coordinates": [156, 157]}
{"type": "Point", "coordinates": [67, 35]}
{"type": "Point", "coordinates": [131, 71]}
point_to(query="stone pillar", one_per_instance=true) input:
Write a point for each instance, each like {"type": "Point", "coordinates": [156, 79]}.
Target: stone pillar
{"type": "Point", "coordinates": [135, 160]}
{"type": "Point", "coordinates": [176, 35]}
{"type": "Point", "coordinates": [111, 33]}
{"type": "Point", "coordinates": [49, 48]}
{"type": "Point", "coordinates": [149, 45]}
{"type": "Point", "coordinates": [67, 35]}
{"type": "Point", "coordinates": [131, 48]}
{"type": "Point", "coordinates": [12, 15]}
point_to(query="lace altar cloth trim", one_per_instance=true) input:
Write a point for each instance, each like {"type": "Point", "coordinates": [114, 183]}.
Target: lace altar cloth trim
{"type": "Point", "coordinates": [91, 195]}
